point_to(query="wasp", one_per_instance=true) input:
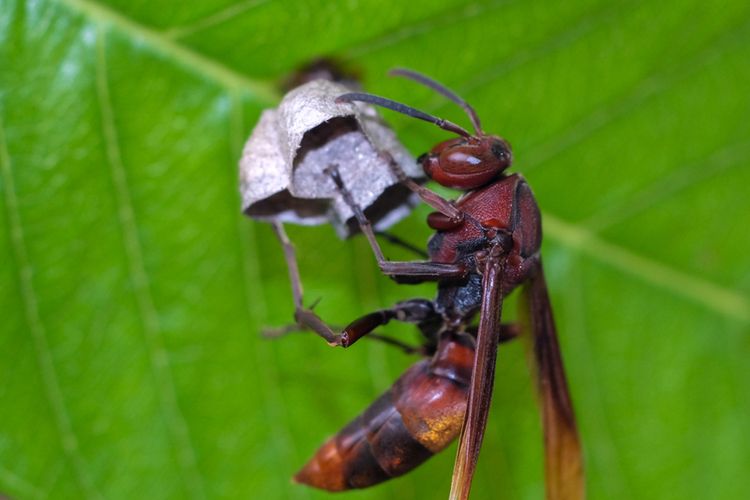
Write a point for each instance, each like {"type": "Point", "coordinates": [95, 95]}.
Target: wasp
{"type": "Point", "coordinates": [486, 244]}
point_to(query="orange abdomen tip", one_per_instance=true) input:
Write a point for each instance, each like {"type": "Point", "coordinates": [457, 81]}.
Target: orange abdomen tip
{"type": "Point", "coordinates": [325, 470]}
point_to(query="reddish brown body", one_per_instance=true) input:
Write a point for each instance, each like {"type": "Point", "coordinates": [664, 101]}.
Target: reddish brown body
{"type": "Point", "coordinates": [423, 411]}
{"type": "Point", "coordinates": [506, 205]}
{"type": "Point", "coordinates": [486, 244]}
{"type": "Point", "coordinates": [418, 416]}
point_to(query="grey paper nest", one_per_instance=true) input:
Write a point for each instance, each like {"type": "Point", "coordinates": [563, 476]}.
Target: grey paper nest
{"type": "Point", "coordinates": [282, 168]}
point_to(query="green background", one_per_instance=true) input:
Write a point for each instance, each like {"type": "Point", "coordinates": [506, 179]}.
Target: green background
{"type": "Point", "coordinates": [132, 290]}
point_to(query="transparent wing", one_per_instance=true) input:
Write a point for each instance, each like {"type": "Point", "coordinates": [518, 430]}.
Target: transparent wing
{"type": "Point", "coordinates": [563, 459]}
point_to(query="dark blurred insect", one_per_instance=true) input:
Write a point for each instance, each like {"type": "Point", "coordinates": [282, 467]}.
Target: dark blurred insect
{"type": "Point", "coordinates": [486, 244]}
{"type": "Point", "coordinates": [322, 68]}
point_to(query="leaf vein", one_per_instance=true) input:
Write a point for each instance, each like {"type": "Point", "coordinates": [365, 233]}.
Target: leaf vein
{"type": "Point", "coordinates": [589, 21]}
{"type": "Point", "coordinates": [556, 40]}
{"type": "Point", "coordinates": [627, 102]}
{"type": "Point", "coordinates": [711, 296]}
{"type": "Point", "coordinates": [719, 162]}
{"type": "Point", "coordinates": [212, 20]}
{"type": "Point", "coordinates": [13, 481]}
{"type": "Point", "coordinates": [42, 349]}
{"type": "Point", "coordinates": [616, 480]}
{"type": "Point", "coordinates": [206, 67]}
{"type": "Point", "coordinates": [158, 355]}
{"type": "Point", "coordinates": [421, 26]}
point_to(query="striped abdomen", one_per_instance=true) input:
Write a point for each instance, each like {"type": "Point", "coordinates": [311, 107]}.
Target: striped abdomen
{"type": "Point", "coordinates": [418, 416]}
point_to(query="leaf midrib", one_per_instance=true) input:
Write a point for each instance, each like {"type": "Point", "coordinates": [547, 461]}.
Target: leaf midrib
{"type": "Point", "coordinates": [226, 77]}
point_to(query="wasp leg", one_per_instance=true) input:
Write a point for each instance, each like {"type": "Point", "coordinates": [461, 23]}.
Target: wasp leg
{"type": "Point", "coordinates": [304, 317]}
{"type": "Point", "coordinates": [275, 332]}
{"type": "Point", "coordinates": [417, 272]}
{"type": "Point", "coordinates": [281, 331]}
{"type": "Point", "coordinates": [410, 311]}
{"type": "Point", "coordinates": [392, 238]}
{"type": "Point", "coordinates": [445, 207]}
{"type": "Point", "coordinates": [416, 311]}
{"type": "Point", "coordinates": [402, 272]}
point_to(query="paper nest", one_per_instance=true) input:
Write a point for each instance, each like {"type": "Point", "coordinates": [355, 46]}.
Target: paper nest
{"type": "Point", "coordinates": [282, 170]}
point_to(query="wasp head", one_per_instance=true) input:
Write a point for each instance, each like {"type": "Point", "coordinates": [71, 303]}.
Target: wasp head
{"type": "Point", "coordinates": [467, 162]}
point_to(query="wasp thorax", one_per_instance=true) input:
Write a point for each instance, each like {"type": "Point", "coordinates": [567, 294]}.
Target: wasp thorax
{"type": "Point", "coordinates": [467, 163]}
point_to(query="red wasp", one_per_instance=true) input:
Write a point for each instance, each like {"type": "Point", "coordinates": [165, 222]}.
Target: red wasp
{"type": "Point", "coordinates": [486, 244]}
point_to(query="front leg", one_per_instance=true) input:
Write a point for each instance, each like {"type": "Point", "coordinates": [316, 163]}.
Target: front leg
{"type": "Point", "coordinates": [402, 272]}
{"type": "Point", "coordinates": [305, 317]}
{"type": "Point", "coordinates": [403, 244]}
{"type": "Point", "coordinates": [410, 311]}
{"type": "Point", "coordinates": [419, 271]}
{"type": "Point", "coordinates": [415, 311]}
{"type": "Point", "coordinates": [445, 207]}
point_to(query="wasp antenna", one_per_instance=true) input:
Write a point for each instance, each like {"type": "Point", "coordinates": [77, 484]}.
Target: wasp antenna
{"type": "Point", "coordinates": [441, 89]}
{"type": "Point", "coordinates": [404, 109]}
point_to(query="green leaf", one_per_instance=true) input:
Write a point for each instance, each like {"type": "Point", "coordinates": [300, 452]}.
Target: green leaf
{"type": "Point", "coordinates": [133, 290]}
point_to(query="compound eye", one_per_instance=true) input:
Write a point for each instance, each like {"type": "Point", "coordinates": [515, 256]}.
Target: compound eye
{"type": "Point", "coordinates": [501, 152]}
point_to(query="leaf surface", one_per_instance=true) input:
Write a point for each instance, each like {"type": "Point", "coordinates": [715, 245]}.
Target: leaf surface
{"type": "Point", "coordinates": [133, 290]}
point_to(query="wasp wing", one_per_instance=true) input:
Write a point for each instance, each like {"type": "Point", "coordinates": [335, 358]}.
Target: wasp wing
{"type": "Point", "coordinates": [563, 459]}
{"type": "Point", "coordinates": [482, 379]}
